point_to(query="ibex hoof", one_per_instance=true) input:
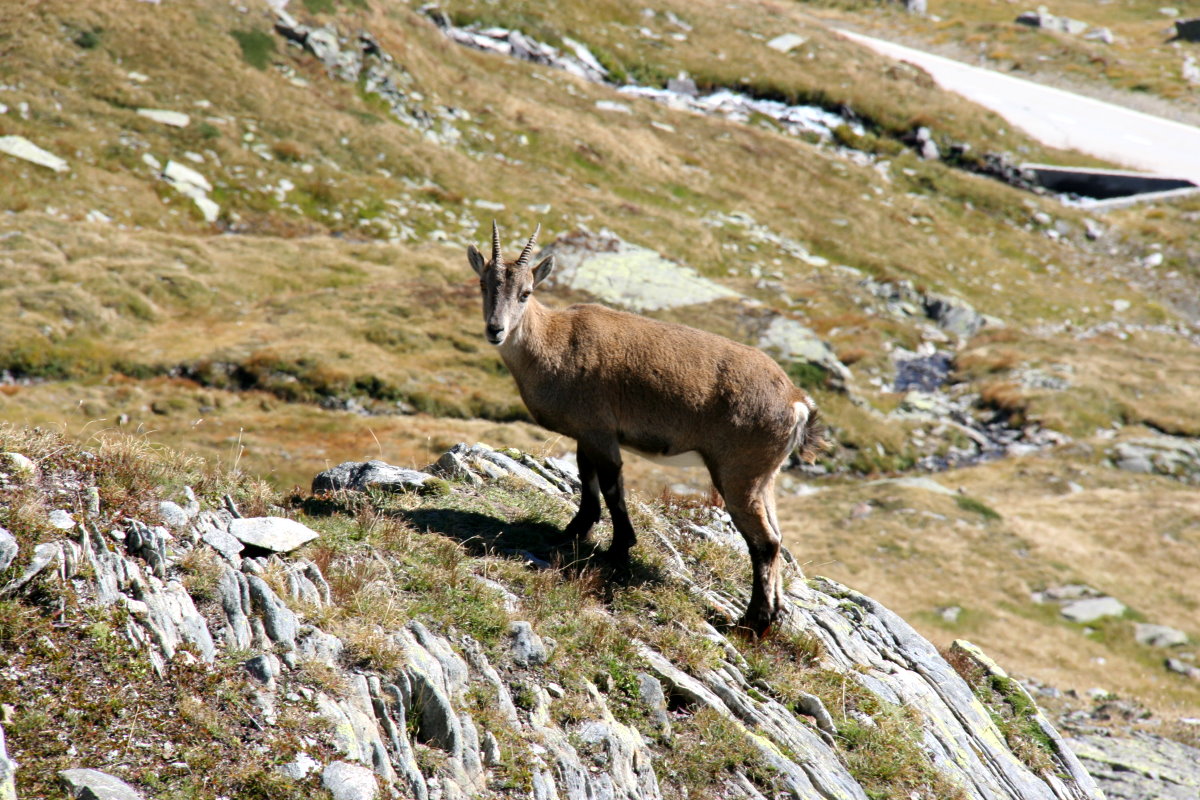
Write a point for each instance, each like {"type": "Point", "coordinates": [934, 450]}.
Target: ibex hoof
{"type": "Point", "coordinates": [753, 628]}
{"type": "Point", "coordinates": [616, 559]}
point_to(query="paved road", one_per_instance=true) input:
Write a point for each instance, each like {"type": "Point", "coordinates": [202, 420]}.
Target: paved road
{"type": "Point", "coordinates": [1062, 119]}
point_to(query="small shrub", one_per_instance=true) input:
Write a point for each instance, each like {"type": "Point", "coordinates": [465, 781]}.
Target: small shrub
{"type": "Point", "coordinates": [370, 648]}
{"type": "Point", "coordinates": [89, 39]}
{"type": "Point", "coordinates": [1003, 396]}
{"type": "Point", "coordinates": [288, 151]}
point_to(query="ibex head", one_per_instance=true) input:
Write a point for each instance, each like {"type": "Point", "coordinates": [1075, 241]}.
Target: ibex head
{"type": "Point", "coordinates": [507, 286]}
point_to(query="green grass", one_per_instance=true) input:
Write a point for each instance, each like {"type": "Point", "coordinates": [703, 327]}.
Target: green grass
{"type": "Point", "coordinates": [708, 748]}
{"type": "Point", "coordinates": [258, 48]}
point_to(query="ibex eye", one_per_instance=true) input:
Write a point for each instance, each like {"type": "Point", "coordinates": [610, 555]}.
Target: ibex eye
{"type": "Point", "coordinates": [525, 296]}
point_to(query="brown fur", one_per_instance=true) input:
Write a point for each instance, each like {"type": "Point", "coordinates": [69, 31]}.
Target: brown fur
{"type": "Point", "coordinates": [609, 379]}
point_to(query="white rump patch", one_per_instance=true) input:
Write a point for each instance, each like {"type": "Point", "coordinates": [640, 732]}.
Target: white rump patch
{"type": "Point", "coordinates": [802, 411]}
{"type": "Point", "coordinates": [691, 458]}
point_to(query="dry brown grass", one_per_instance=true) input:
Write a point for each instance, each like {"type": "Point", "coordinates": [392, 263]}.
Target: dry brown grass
{"type": "Point", "coordinates": [1135, 537]}
{"type": "Point", "coordinates": [226, 345]}
{"type": "Point", "coordinates": [1002, 396]}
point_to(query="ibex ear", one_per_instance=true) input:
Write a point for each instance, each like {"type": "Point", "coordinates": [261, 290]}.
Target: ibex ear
{"type": "Point", "coordinates": [476, 260]}
{"type": "Point", "coordinates": [543, 269]}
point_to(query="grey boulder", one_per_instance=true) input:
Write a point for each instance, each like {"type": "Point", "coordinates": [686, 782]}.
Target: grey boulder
{"type": "Point", "coordinates": [92, 784]}
{"type": "Point", "coordinates": [173, 514]}
{"type": "Point", "coordinates": [277, 534]}
{"type": "Point", "coordinates": [526, 646]}
{"type": "Point", "coordinates": [1163, 455]}
{"type": "Point", "coordinates": [8, 548]}
{"type": "Point", "coordinates": [650, 691]}
{"type": "Point", "coordinates": [346, 781]}
{"type": "Point", "coordinates": [363, 475]}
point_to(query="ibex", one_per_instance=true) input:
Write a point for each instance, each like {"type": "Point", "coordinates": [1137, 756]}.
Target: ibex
{"type": "Point", "coordinates": [612, 380]}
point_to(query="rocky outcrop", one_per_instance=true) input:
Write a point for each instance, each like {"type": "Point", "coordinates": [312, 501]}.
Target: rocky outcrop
{"type": "Point", "coordinates": [362, 60]}
{"type": "Point", "coordinates": [952, 314]}
{"type": "Point", "coordinates": [679, 93]}
{"type": "Point", "coordinates": [1141, 766]}
{"type": "Point", "coordinates": [8, 769]}
{"type": "Point", "coordinates": [430, 697]}
{"type": "Point", "coordinates": [361, 475]}
{"type": "Point", "coordinates": [1160, 455]}
{"type": "Point", "coordinates": [1050, 22]}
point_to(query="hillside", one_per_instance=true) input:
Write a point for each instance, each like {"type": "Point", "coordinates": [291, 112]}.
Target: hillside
{"type": "Point", "coordinates": [405, 642]}
{"type": "Point", "coordinates": [1010, 380]}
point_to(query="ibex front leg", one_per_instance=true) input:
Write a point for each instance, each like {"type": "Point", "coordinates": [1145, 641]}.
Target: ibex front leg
{"type": "Point", "coordinates": [589, 499]}
{"type": "Point", "coordinates": [605, 456]}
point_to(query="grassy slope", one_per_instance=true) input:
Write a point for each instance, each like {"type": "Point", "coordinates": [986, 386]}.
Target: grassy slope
{"type": "Point", "coordinates": [201, 731]}
{"type": "Point", "coordinates": [303, 317]}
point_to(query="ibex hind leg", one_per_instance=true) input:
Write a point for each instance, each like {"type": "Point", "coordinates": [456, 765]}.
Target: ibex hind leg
{"type": "Point", "coordinates": [769, 498]}
{"type": "Point", "coordinates": [751, 506]}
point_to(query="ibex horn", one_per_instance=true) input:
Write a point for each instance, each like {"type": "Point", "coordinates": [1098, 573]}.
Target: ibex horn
{"type": "Point", "coordinates": [495, 243]}
{"type": "Point", "coordinates": [524, 257]}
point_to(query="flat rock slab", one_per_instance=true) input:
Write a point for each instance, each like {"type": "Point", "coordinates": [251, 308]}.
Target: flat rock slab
{"type": "Point", "coordinates": [787, 42]}
{"type": "Point", "coordinates": [1158, 635]}
{"type": "Point", "coordinates": [22, 148]}
{"type": "Point", "coordinates": [92, 784]}
{"type": "Point", "coordinates": [916, 482]}
{"type": "Point", "coordinates": [1093, 608]}
{"type": "Point", "coordinates": [176, 119]}
{"type": "Point", "coordinates": [628, 275]}
{"type": "Point", "coordinates": [277, 534]}
{"type": "Point", "coordinates": [362, 475]}
{"type": "Point", "coordinates": [794, 342]}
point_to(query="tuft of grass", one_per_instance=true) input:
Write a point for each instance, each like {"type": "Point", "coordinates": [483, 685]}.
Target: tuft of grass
{"type": "Point", "coordinates": [976, 506]}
